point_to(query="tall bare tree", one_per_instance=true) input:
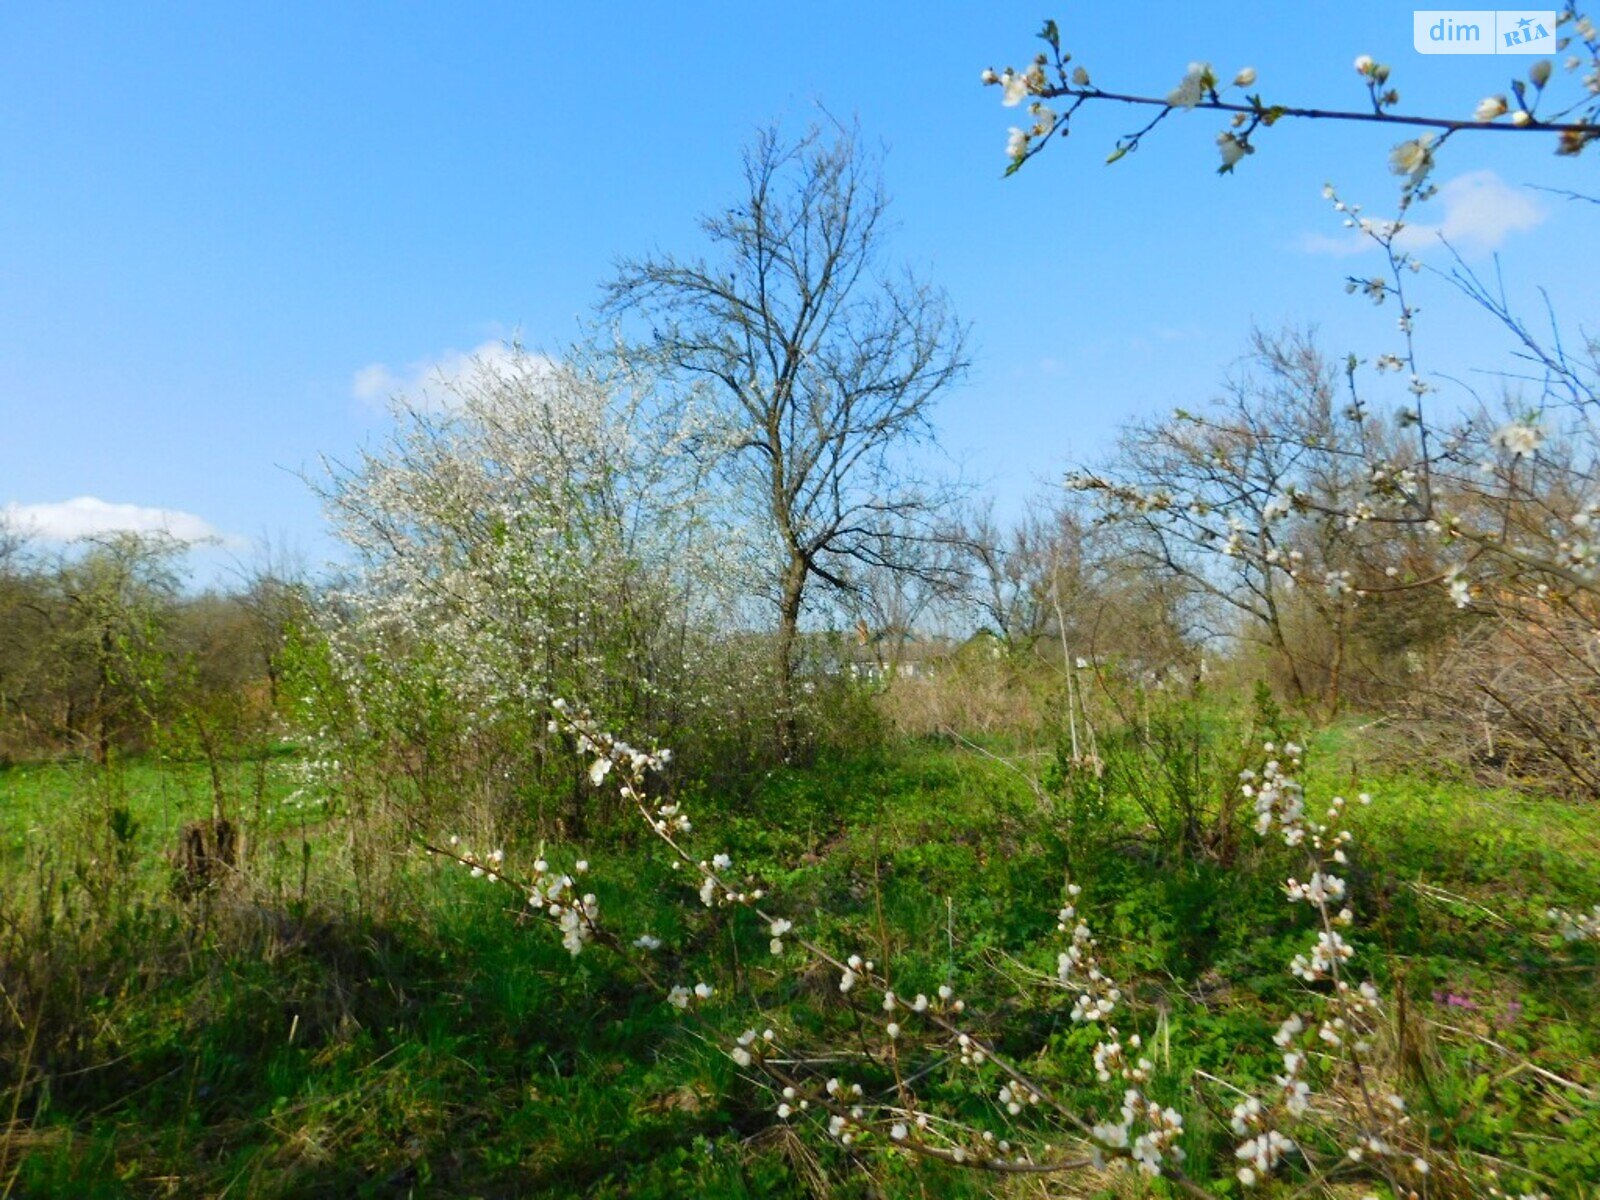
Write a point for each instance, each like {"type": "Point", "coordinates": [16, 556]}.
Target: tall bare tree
{"type": "Point", "coordinates": [1248, 496]}
{"type": "Point", "coordinates": [825, 360]}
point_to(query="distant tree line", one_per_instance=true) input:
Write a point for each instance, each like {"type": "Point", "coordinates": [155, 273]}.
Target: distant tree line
{"type": "Point", "coordinates": [104, 652]}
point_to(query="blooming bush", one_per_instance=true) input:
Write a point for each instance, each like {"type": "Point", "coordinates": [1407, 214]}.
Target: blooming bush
{"type": "Point", "coordinates": [551, 529]}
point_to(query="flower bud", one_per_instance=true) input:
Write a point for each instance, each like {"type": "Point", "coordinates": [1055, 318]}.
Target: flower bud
{"type": "Point", "coordinates": [1489, 108]}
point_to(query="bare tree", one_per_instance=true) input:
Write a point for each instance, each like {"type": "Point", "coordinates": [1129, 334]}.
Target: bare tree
{"type": "Point", "coordinates": [824, 362]}
{"type": "Point", "coordinates": [894, 599]}
{"type": "Point", "coordinates": [1011, 571]}
{"type": "Point", "coordinates": [1245, 499]}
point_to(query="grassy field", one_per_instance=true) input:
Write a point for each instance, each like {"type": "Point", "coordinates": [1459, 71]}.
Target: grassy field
{"type": "Point", "coordinates": [353, 1018]}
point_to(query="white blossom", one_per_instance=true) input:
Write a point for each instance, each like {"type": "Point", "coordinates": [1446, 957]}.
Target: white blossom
{"type": "Point", "coordinates": [1013, 88]}
{"type": "Point", "coordinates": [1193, 87]}
{"type": "Point", "coordinates": [1519, 438]}
{"type": "Point", "coordinates": [1412, 158]}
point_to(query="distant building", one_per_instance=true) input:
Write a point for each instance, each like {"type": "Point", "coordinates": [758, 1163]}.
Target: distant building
{"type": "Point", "coordinates": [893, 655]}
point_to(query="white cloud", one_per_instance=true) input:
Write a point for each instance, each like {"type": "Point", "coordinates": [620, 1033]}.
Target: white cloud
{"type": "Point", "coordinates": [87, 516]}
{"type": "Point", "coordinates": [434, 382]}
{"type": "Point", "coordinates": [1480, 210]}
{"type": "Point", "coordinates": [374, 382]}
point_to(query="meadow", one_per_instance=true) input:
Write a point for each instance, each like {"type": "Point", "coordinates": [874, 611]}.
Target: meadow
{"type": "Point", "coordinates": [351, 1016]}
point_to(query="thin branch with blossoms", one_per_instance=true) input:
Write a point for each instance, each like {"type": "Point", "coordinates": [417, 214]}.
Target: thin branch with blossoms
{"type": "Point", "coordinates": [1342, 1034]}
{"type": "Point", "coordinates": [552, 895]}
{"type": "Point", "coordinates": [1050, 77]}
{"type": "Point", "coordinates": [903, 1125]}
{"type": "Point", "coordinates": [1145, 1135]}
{"type": "Point", "coordinates": [1368, 1120]}
{"type": "Point", "coordinates": [875, 1098]}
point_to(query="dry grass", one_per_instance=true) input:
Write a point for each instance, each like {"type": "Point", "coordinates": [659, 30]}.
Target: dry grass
{"type": "Point", "coordinates": [979, 698]}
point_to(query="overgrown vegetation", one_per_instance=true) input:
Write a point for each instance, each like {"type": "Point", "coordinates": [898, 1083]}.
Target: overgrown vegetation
{"type": "Point", "coordinates": [315, 1027]}
{"type": "Point", "coordinates": [1093, 854]}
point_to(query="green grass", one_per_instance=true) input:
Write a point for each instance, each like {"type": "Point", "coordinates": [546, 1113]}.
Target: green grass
{"type": "Point", "coordinates": [395, 1030]}
{"type": "Point", "coordinates": [74, 797]}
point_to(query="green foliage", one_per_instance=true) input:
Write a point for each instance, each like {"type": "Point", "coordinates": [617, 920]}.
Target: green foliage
{"type": "Point", "coordinates": [1165, 776]}
{"type": "Point", "coordinates": [102, 653]}
{"type": "Point", "coordinates": [406, 1035]}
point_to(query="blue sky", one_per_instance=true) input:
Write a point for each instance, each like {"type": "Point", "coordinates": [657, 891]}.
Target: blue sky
{"type": "Point", "coordinates": [215, 218]}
